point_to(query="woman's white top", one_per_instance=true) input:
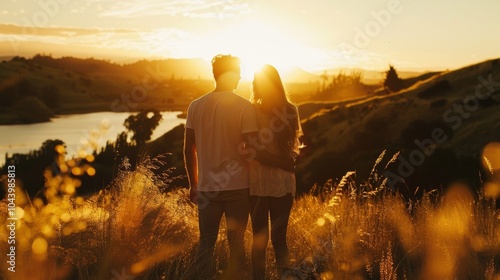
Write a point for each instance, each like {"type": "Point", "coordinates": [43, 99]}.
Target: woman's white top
{"type": "Point", "coordinates": [266, 180]}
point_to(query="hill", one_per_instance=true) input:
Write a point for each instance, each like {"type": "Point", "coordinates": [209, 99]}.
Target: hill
{"type": "Point", "coordinates": [33, 90]}
{"type": "Point", "coordinates": [5, 58]}
{"type": "Point", "coordinates": [443, 108]}
{"type": "Point", "coordinates": [308, 108]}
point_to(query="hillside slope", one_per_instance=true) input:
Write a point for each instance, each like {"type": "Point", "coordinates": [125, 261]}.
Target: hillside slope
{"type": "Point", "coordinates": [33, 90]}
{"type": "Point", "coordinates": [446, 107]}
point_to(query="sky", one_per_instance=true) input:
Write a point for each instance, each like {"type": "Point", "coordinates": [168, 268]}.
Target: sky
{"type": "Point", "coordinates": [313, 35]}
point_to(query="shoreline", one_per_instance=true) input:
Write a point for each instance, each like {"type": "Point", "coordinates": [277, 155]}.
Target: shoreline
{"type": "Point", "coordinates": [7, 119]}
{"type": "Point", "coordinates": [71, 129]}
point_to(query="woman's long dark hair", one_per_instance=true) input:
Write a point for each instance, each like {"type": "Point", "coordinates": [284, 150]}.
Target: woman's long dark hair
{"type": "Point", "coordinates": [270, 97]}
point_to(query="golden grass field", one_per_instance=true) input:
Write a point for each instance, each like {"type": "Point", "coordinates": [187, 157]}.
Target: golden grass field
{"type": "Point", "coordinates": [133, 230]}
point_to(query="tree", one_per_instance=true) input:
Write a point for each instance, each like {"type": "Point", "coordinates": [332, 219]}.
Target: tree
{"type": "Point", "coordinates": [8, 95]}
{"type": "Point", "coordinates": [324, 78]}
{"type": "Point", "coordinates": [50, 96]}
{"type": "Point", "coordinates": [142, 125]}
{"type": "Point", "coordinates": [31, 110]}
{"type": "Point", "coordinates": [30, 167]}
{"type": "Point", "coordinates": [26, 88]}
{"type": "Point", "coordinates": [392, 81]}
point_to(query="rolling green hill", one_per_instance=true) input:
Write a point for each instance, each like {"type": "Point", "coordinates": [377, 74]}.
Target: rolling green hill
{"type": "Point", "coordinates": [33, 90]}
{"type": "Point", "coordinates": [349, 135]}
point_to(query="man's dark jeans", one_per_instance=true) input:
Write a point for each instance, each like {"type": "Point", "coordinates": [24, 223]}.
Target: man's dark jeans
{"type": "Point", "coordinates": [235, 206]}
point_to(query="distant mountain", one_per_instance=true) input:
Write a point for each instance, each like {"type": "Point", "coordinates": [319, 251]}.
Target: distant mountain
{"type": "Point", "coordinates": [298, 75]}
{"type": "Point", "coordinates": [22, 48]}
{"type": "Point", "coordinates": [440, 126]}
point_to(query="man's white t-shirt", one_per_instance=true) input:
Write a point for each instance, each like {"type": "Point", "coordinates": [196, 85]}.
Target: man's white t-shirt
{"type": "Point", "coordinates": [219, 119]}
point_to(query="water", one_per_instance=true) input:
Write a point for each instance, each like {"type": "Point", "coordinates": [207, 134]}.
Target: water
{"type": "Point", "coordinates": [74, 130]}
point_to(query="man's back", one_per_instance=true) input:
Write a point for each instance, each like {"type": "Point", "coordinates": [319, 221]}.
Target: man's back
{"type": "Point", "coordinates": [219, 119]}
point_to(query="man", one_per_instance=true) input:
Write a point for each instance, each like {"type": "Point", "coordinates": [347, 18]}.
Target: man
{"type": "Point", "coordinates": [216, 126]}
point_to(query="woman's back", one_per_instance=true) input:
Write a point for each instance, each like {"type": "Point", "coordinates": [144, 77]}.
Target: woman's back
{"type": "Point", "coordinates": [266, 180]}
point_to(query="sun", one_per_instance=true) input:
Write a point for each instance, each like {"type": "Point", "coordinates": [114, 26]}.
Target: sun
{"type": "Point", "coordinates": [256, 43]}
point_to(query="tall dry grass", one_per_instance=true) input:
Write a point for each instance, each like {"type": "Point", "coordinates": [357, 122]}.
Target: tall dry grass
{"type": "Point", "coordinates": [133, 230]}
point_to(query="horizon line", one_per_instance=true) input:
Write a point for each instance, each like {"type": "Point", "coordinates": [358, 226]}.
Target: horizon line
{"type": "Point", "coordinates": [127, 60]}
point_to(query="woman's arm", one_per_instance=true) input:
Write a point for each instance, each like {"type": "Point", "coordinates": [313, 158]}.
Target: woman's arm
{"type": "Point", "coordinates": [253, 150]}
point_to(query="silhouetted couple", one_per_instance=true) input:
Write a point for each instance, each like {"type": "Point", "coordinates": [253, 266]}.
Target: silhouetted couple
{"type": "Point", "coordinates": [239, 158]}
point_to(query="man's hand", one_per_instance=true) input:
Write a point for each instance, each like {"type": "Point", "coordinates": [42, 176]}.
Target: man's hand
{"type": "Point", "coordinates": [257, 152]}
{"type": "Point", "coordinates": [289, 165]}
{"type": "Point", "coordinates": [193, 195]}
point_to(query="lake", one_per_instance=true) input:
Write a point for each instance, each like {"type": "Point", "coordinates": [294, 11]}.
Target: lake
{"type": "Point", "coordinates": [76, 131]}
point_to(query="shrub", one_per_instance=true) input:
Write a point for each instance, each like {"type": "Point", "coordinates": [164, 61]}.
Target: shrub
{"type": "Point", "coordinates": [50, 96]}
{"type": "Point", "coordinates": [31, 110]}
{"type": "Point", "coordinates": [392, 81]}
{"type": "Point", "coordinates": [26, 88]}
{"type": "Point", "coordinates": [341, 84]}
{"type": "Point", "coordinates": [142, 125]}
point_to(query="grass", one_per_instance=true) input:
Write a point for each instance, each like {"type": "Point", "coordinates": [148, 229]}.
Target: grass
{"type": "Point", "coordinates": [348, 135]}
{"type": "Point", "coordinates": [133, 230]}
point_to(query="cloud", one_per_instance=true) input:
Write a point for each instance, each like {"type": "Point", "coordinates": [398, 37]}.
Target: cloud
{"type": "Point", "coordinates": [168, 42]}
{"type": "Point", "coordinates": [189, 8]}
{"type": "Point", "coordinates": [12, 29]}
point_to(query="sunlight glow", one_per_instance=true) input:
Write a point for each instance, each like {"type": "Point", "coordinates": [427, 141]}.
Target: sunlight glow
{"type": "Point", "coordinates": [60, 149]}
{"type": "Point", "coordinates": [77, 171]}
{"type": "Point", "coordinates": [65, 217]}
{"type": "Point", "coordinates": [491, 163]}
{"type": "Point", "coordinates": [255, 42]}
{"type": "Point", "coordinates": [48, 231]}
{"type": "Point", "coordinates": [91, 171]}
{"type": "Point", "coordinates": [321, 222]}
{"type": "Point", "coordinates": [39, 246]}
{"type": "Point", "coordinates": [259, 43]}
{"type": "Point", "coordinates": [19, 212]}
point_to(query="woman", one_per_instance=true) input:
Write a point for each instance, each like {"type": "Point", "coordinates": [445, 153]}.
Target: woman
{"type": "Point", "coordinates": [272, 189]}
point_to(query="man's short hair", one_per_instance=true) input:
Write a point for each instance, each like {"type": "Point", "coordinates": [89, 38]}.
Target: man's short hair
{"type": "Point", "coordinates": [225, 63]}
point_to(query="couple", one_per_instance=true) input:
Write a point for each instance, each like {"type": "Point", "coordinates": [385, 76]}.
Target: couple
{"type": "Point", "coordinates": [239, 158]}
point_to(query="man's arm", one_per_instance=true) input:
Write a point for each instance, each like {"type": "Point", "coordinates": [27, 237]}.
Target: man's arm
{"type": "Point", "coordinates": [255, 150]}
{"type": "Point", "coordinates": [191, 163]}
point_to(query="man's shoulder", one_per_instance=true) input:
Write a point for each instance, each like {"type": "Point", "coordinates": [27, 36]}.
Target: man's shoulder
{"type": "Point", "coordinates": [233, 99]}
{"type": "Point", "coordinates": [201, 98]}
{"type": "Point", "coordinates": [238, 99]}
{"type": "Point", "coordinates": [198, 101]}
